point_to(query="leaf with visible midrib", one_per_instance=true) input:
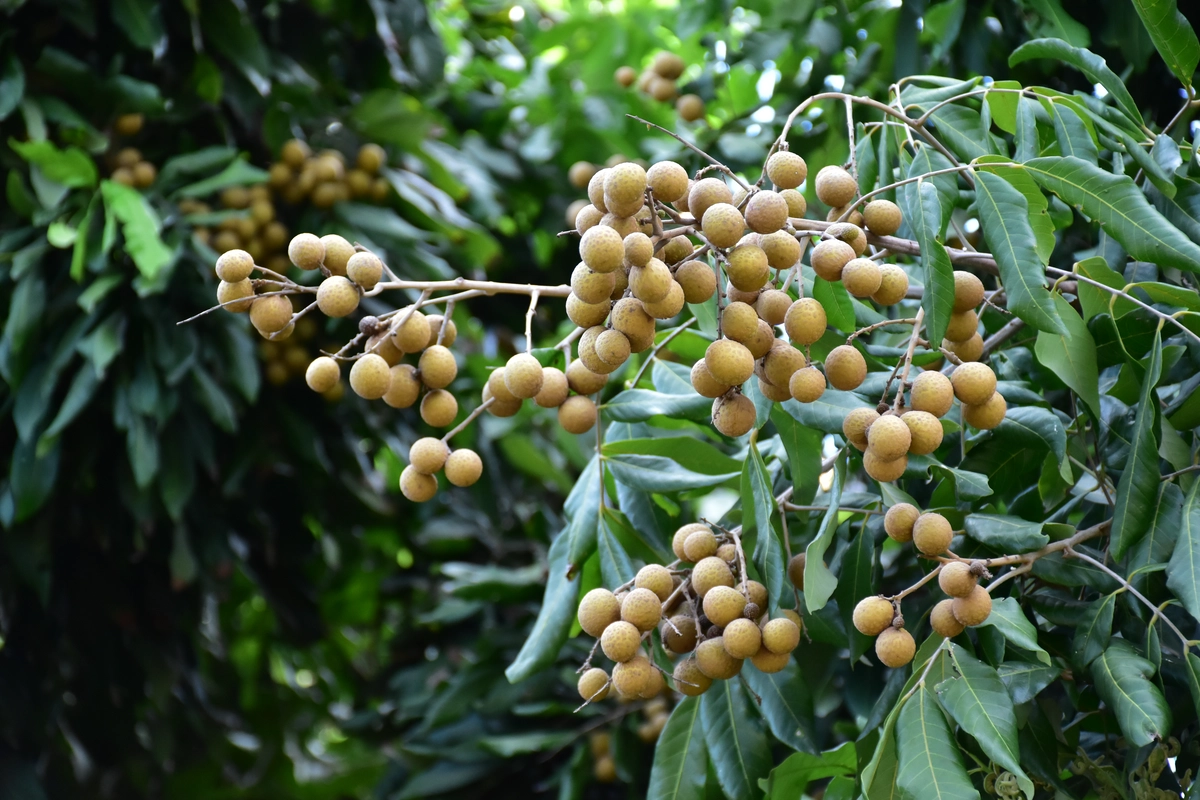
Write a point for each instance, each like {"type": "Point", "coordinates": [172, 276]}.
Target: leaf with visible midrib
{"type": "Point", "coordinates": [680, 760]}
{"type": "Point", "coordinates": [1123, 682]}
{"type": "Point", "coordinates": [925, 218]}
{"type": "Point", "coordinates": [553, 622]}
{"type": "Point", "coordinates": [930, 765]}
{"type": "Point", "coordinates": [1138, 487]}
{"type": "Point", "coordinates": [1183, 570]}
{"type": "Point", "coordinates": [819, 581]}
{"type": "Point", "coordinates": [758, 502]}
{"type": "Point", "coordinates": [1087, 62]}
{"type": "Point", "coordinates": [737, 745]}
{"type": "Point", "coordinates": [787, 705]}
{"type": "Point", "coordinates": [1172, 35]}
{"type": "Point", "coordinates": [1072, 357]}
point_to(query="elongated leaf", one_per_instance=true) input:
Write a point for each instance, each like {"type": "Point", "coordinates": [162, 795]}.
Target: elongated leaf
{"type": "Point", "coordinates": [803, 448]}
{"type": "Point", "coordinates": [1024, 680]}
{"type": "Point", "coordinates": [1158, 544]}
{"type": "Point", "coordinates": [1007, 534]}
{"type": "Point", "coordinates": [1073, 136]}
{"type": "Point", "coordinates": [833, 297]}
{"type": "Point", "coordinates": [583, 506]}
{"type": "Point", "coordinates": [1172, 35]}
{"type": "Point", "coordinates": [736, 744]}
{"type": "Point", "coordinates": [1183, 570]}
{"type": "Point", "coordinates": [1033, 425]}
{"type": "Point", "coordinates": [1123, 682]}
{"type": "Point", "coordinates": [758, 504]}
{"type": "Point", "coordinates": [961, 129]}
{"type": "Point", "coordinates": [140, 226]}
{"type": "Point", "coordinates": [659, 474]}
{"type": "Point", "coordinates": [1004, 218]}
{"type": "Point", "coordinates": [615, 566]}
{"type": "Point", "coordinates": [1137, 490]}
{"type": "Point", "coordinates": [1028, 144]}
{"type": "Point", "coordinates": [70, 166]}
{"type": "Point", "coordinates": [680, 758]}
{"type": "Point", "coordinates": [927, 160]}
{"type": "Point", "coordinates": [925, 218]}
{"type": "Point", "coordinates": [1087, 62]}
{"type": "Point", "coordinates": [879, 775]}
{"type": "Point", "coordinates": [559, 604]}
{"type": "Point", "coordinates": [1008, 618]}
{"type": "Point", "coordinates": [930, 765]}
{"type": "Point", "coordinates": [141, 21]}
{"type": "Point", "coordinates": [639, 405]}
{"type": "Point", "coordinates": [977, 700]}
{"type": "Point", "coordinates": [827, 412]}
{"type": "Point", "coordinates": [789, 780]}
{"type": "Point", "coordinates": [1117, 204]}
{"type": "Point", "coordinates": [787, 705]}
{"type": "Point", "coordinates": [1094, 630]}
{"type": "Point", "coordinates": [854, 583]}
{"type": "Point", "coordinates": [693, 454]}
{"type": "Point", "coordinates": [1037, 207]}
{"type": "Point", "coordinates": [1072, 357]}
{"type": "Point", "coordinates": [819, 581]}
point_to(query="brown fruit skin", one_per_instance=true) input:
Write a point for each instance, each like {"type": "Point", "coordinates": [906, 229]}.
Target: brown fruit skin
{"type": "Point", "coordinates": [582, 380]}
{"type": "Point", "coordinates": [888, 438]}
{"type": "Point", "coordinates": [780, 636]}
{"type": "Point", "coordinates": [969, 350]}
{"type": "Point", "coordinates": [932, 392]}
{"type": "Point", "coordinates": [723, 225]}
{"type": "Point", "coordinates": [767, 662]}
{"type": "Point", "coordinates": [851, 233]}
{"type": "Point", "coordinates": [581, 171]}
{"type": "Point", "coordinates": [854, 218]}
{"type": "Point", "coordinates": [697, 281]}
{"type": "Point", "coordinates": [620, 640]}
{"type": "Point", "coordinates": [834, 186]}
{"type": "Point", "coordinates": [882, 217]}
{"type": "Point", "coordinates": [797, 204]}
{"type": "Point", "coordinates": [729, 362]}
{"type": "Point", "coordinates": [417, 487]}
{"type": "Point", "coordinates": [956, 579]}
{"type": "Point", "coordinates": [782, 249]}
{"type": "Point", "coordinates": [829, 257]}
{"type": "Point", "coordinates": [412, 335]}
{"type": "Point", "coordinates": [973, 609]}
{"type": "Point", "coordinates": [968, 291]}
{"type": "Point", "coordinates": [625, 76]}
{"type": "Point", "coordinates": [464, 467]}
{"type": "Point", "coordinates": [781, 362]}
{"type": "Point", "coordinates": [893, 285]}
{"type": "Point", "coordinates": [625, 189]}
{"type": "Point", "coordinates": [642, 608]}
{"type": "Point", "coordinates": [700, 545]}
{"type": "Point", "coordinates": [973, 383]}
{"type": "Point", "coordinates": [963, 325]}
{"type": "Point", "coordinates": [986, 415]}
{"type": "Point", "coordinates": [690, 107]}
{"type": "Point", "coordinates": [805, 322]}
{"type": "Point", "coordinates": [862, 277]}
{"type": "Point", "coordinates": [681, 535]}
{"type": "Point", "coordinates": [338, 253]}
{"type": "Point", "coordinates": [926, 432]}
{"type": "Point", "coordinates": [370, 377]}
{"type": "Point", "coordinates": [787, 170]}
{"type": "Point", "coordinates": [855, 424]}
{"type": "Point", "coordinates": [899, 520]}
{"type": "Point", "coordinates": [742, 638]}
{"type": "Point", "coordinates": [428, 455]}
{"type": "Point", "coordinates": [595, 190]}
{"type": "Point", "coordinates": [634, 677]}
{"type": "Point", "coordinates": [679, 633]}
{"type": "Point", "coordinates": [845, 367]}
{"type": "Point", "coordinates": [943, 621]}
{"type": "Point", "coordinates": [727, 552]}
{"type": "Point", "coordinates": [598, 609]}
{"type": "Point", "coordinates": [795, 570]}
{"type": "Point", "coordinates": [612, 347]}
{"type": "Point", "coordinates": [932, 533]}
{"type": "Point", "coordinates": [704, 383]}
{"type": "Point", "coordinates": [271, 313]}
{"type": "Point", "coordinates": [689, 679]}
{"type": "Point", "coordinates": [577, 414]}
{"type": "Point", "coordinates": [365, 269]}
{"type": "Point", "coordinates": [439, 408]}
{"type": "Point", "coordinates": [706, 193]}
{"type": "Point", "coordinates": [668, 180]}
{"type": "Point", "coordinates": [593, 685]}
{"type": "Point", "coordinates": [657, 579]}
{"type": "Point", "coordinates": [587, 218]}
{"type": "Point", "coordinates": [438, 367]}
{"type": "Point", "coordinates": [708, 573]}
{"type": "Point", "coordinates": [747, 267]}
{"type": "Point", "coordinates": [734, 415]}
{"type": "Point", "coordinates": [895, 647]}
{"type": "Point", "coordinates": [884, 471]}
{"type": "Point", "coordinates": [756, 594]}
{"type": "Point", "coordinates": [554, 389]}
{"type": "Point", "coordinates": [234, 266]}
{"type": "Point", "coordinates": [774, 393]}
{"type": "Point", "coordinates": [873, 615]}
{"type": "Point", "coordinates": [766, 212]}
{"type": "Point", "coordinates": [677, 249]}
{"type": "Point", "coordinates": [723, 604]}
{"type": "Point", "coordinates": [602, 248]}
{"type": "Point", "coordinates": [590, 286]}
{"type": "Point", "coordinates": [715, 662]}
{"type": "Point", "coordinates": [807, 385]}
{"type": "Point", "coordinates": [523, 376]}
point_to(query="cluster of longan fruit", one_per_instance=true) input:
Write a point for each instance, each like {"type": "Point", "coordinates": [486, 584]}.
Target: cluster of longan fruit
{"type": "Point", "coordinates": [130, 169]}
{"type": "Point", "coordinates": [524, 378]}
{"type": "Point", "coordinates": [659, 80]}
{"type": "Point", "coordinates": [427, 457]}
{"type": "Point", "coordinates": [325, 178]}
{"type": "Point", "coordinates": [711, 613]}
{"type": "Point", "coordinates": [255, 229]}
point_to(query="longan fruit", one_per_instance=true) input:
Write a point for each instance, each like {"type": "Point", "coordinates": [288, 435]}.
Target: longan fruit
{"type": "Point", "coordinates": [241, 291]}
{"type": "Point", "coordinates": [829, 257]}
{"type": "Point", "coordinates": [756, 594]}
{"type": "Point", "coordinates": [968, 292]}
{"type": "Point", "coordinates": [128, 156]}
{"type": "Point", "coordinates": [700, 545]}
{"type": "Point", "coordinates": [679, 633]}
{"type": "Point", "coordinates": [435, 329]}
{"type": "Point", "coordinates": [708, 573]}
{"type": "Point", "coordinates": [956, 579]}
{"type": "Point", "coordinates": [438, 367]}
{"type": "Point", "coordinates": [523, 376]}
{"type": "Point", "coordinates": [583, 381]}
{"type": "Point", "coordinates": [697, 280]}
{"type": "Point", "coordinates": [226, 240]}
{"type": "Point", "coordinates": [898, 521]}
{"type": "Point", "coordinates": [554, 389]}
{"type": "Point", "coordinates": [739, 321]}
{"type": "Point", "coordinates": [632, 678]}
{"type": "Point", "coordinates": [587, 351]}
{"type": "Point", "coordinates": [499, 389]}
{"type": "Point", "coordinates": [727, 552]}
{"type": "Point", "coordinates": [723, 604]}
{"type": "Point", "coordinates": [668, 181]}
{"type": "Point", "coordinates": [895, 647]}
{"type": "Point", "coordinates": [413, 334]}
{"type": "Point", "coordinates": [677, 249]}
{"type": "Point", "coordinates": [943, 621]}
{"type": "Point", "coordinates": [587, 218]}
{"type": "Point", "coordinates": [807, 385]}
{"type": "Point", "coordinates": [428, 455]}
{"type": "Point", "coordinates": [775, 394]}
{"type": "Point", "coordinates": [294, 153]}
{"type": "Point", "coordinates": [620, 640]}
{"type": "Point", "coordinates": [932, 533]}
{"type": "Point", "coordinates": [595, 190]}
{"type": "Point", "coordinates": [322, 374]}
{"type": "Point", "coordinates": [714, 660]}
{"type": "Point", "coordinates": [962, 326]}
{"type": "Point", "coordinates": [464, 467]}
{"type": "Point", "coordinates": [337, 296]}
{"type": "Point", "coordinates": [781, 363]}
{"type": "Point", "coordinates": [849, 233]}
{"type": "Point", "coordinates": [729, 362]}
{"type": "Point", "coordinates": [271, 313]}
{"type": "Point", "coordinates": [766, 212]}
{"type": "Point", "coordinates": [795, 570]}
{"type": "Point", "coordinates": [706, 193]}
{"type": "Point", "coordinates": [780, 635]}
{"type": "Point", "coordinates": [670, 305]}
{"type": "Point", "coordinates": [625, 189]}
{"type": "Point", "coordinates": [845, 367]}
{"type": "Point", "coordinates": [630, 318]}
{"type": "Point", "coordinates": [855, 425]}
{"type": "Point", "coordinates": [439, 408]}
{"type": "Point", "coordinates": [306, 251]}
{"type": "Point", "coordinates": [747, 267]}
{"type": "Point", "coordinates": [884, 471]}
{"type": "Point", "coordinates": [129, 124]}
{"type": "Point", "coordinates": [973, 383]}
{"type": "Point", "coordinates": [404, 388]}
{"type": "Point", "coordinates": [690, 107]}
{"type": "Point", "coordinates": [888, 438]}
{"type": "Point", "coordinates": [593, 685]}
{"type": "Point", "coordinates": [797, 204]}
{"type": "Point", "coordinates": [689, 679]}
{"type": "Point", "coordinates": [805, 321]}
{"type": "Point", "coordinates": [602, 249]}
{"type": "Point", "coordinates": [973, 609]}
{"type": "Point", "coordinates": [969, 350]}
{"type": "Point", "coordinates": [882, 217]}
{"type": "Point", "coordinates": [742, 638]}
{"type": "Point", "coordinates": [893, 285]}
{"type": "Point", "coordinates": [638, 249]}
{"type": "Point", "coordinates": [926, 432]}
{"type": "Point", "coordinates": [986, 415]}
{"type": "Point", "coordinates": [585, 315]}
{"type": "Point", "coordinates": [625, 76]}
{"type": "Point", "coordinates": [622, 225]}
{"type": "Point", "coordinates": [723, 225]}
{"type": "Point", "coordinates": [781, 248]}
{"type": "Point", "coordinates": [650, 283]}
{"type": "Point", "coordinates": [772, 306]}
{"type": "Point", "coordinates": [762, 341]}
{"type": "Point", "coordinates": [787, 171]}
{"type": "Point", "coordinates": [704, 383]}
{"type": "Point", "coordinates": [598, 609]}
{"type": "Point", "coordinates": [767, 662]}
{"type": "Point", "coordinates": [370, 377]}
{"type": "Point", "coordinates": [657, 579]}
{"type": "Point", "coordinates": [642, 609]}
{"type": "Point", "coordinates": [873, 615]}
{"type": "Point", "coordinates": [734, 415]}
{"type": "Point", "coordinates": [577, 414]}
{"type": "Point", "coordinates": [681, 535]}
{"type": "Point", "coordinates": [662, 89]}
{"type": "Point", "coordinates": [574, 210]}
{"type": "Point", "coordinates": [365, 269]}
{"type": "Point", "coordinates": [862, 277]}
{"type": "Point", "coordinates": [417, 487]}
{"type": "Point", "coordinates": [668, 65]}
{"type": "Point", "coordinates": [234, 266]}
{"type": "Point", "coordinates": [604, 769]}
{"type": "Point", "coordinates": [733, 293]}
{"type": "Point", "coordinates": [580, 173]}
{"type": "Point", "coordinates": [931, 392]}
{"type": "Point", "coordinates": [835, 186]}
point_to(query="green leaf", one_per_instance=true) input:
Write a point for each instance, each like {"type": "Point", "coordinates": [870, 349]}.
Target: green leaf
{"type": "Point", "coordinates": [1006, 533]}
{"type": "Point", "coordinates": [924, 215]}
{"type": "Point", "coordinates": [1037, 426]}
{"type": "Point", "coordinates": [1008, 618]}
{"type": "Point", "coordinates": [1087, 62]}
{"type": "Point", "coordinates": [737, 745]}
{"type": "Point", "coordinates": [854, 583]}
{"type": "Point", "coordinates": [70, 167]}
{"type": "Point", "coordinates": [1004, 218]}
{"type": "Point", "coordinates": [1123, 681]}
{"type": "Point", "coordinates": [615, 566]}
{"type": "Point", "coordinates": [1172, 35]}
{"type": "Point", "coordinates": [583, 508]}
{"type": "Point", "coordinates": [961, 129]}
{"type": "Point", "coordinates": [141, 22]}
{"type": "Point", "coordinates": [680, 757]}
{"type": "Point", "coordinates": [140, 227]}
{"type": "Point", "coordinates": [639, 405]}
{"type": "Point", "coordinates": [694, 454]}
{"type": "Point", "coordinates": [930, 765]}
{"type": "Point", "coordinates": [1072, 357]}
{"type": "Point", "coordinates": [1024, 680]}
{"type": "Point", "coordinates": [12, 84]}
{"type": "Point", "coordinates": [1037, 207]}
{"type": "Point", "coordinates": [559, 604]}
{"type": "Point", "coordinates": [787, 705]}
{"type": "Point", "coordinates": [789, 780]}
{"type": "Point", "coordinates": [827, 412]}
{"type": "Point", "coordinates": [1158, 544]}
{"type": "Point", "coordinates": [1117, 204]}
{"type": "Point", "coordinates": [879, 775]}
{"type": "Point", "coordinates": [1183, 570]}
{"type": "Point", "coordinates": [819, 581]}
{"type": "Point", "coordinates": [758, 504]}
{"type": "Point", "coordinates": [1072, 134]}
{"type": "Point", "coordinates": [238, 172]}
{"type": "Point", "coordinates": [1028, 142]}
{"type": "Point", "coordinates": [1094, 630]}
{"type": "Point", "coordinates": [1057, 21]}
{"type": "Point", "coordinates": [232, 33]}
{"type": "Point", "coordinates": [659, 474]}
{"type": "Point", "coordinates": [803, 448]}
{"type": "Point", "coordinates": [1137, 490]}
{"type": "Point", "coordinates": [977, 700]}
{"type": "Point", "coordinates": [1094, 299]}
{"type": "Point", "coordinates": [833, 297]}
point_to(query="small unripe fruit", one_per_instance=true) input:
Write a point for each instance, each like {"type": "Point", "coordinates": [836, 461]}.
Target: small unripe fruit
{"type": "Point", "coordinates": [795, 570]}
{"type": "Point", "coordinates": [932, 533]}
{"type": "Point", "coordinates": [602, 249]}
{"type": "Point", "coordinates": [667, 180]}
{"type": "Point", "coordinates": [787, 171]}
{"type": "Point", "coordinates": [715, 662]}
{"type": "Point", "coordinates": [926, 432]}
{"type": "Point", "coordinates": [805, 321]}
{"type": "Point", "coordinates": [943, 621]}
{"type": "Point", "coordinates": [747, 267]}
{"type": "Point", "coordinates": [681, 535]}
{"type": "Point", "coordinates": [862, 277]}
{"type": "Point", "coordinates": [723, 604]}
{"type": "Point", "coordinates": [932, 392]}
{"type": "Point", "coordinates": [438, 367]}
{"type": "Point", "coordinates": [306, 251]}
{"type": "Point", "coordinates": [895, 647]}
{"type": "Point", "coordinates": [729, 362]}
{"type": "Point", "coordinates": [633, 677]}
{"type": "Point", "coordinates": [417, 487]}
{"type": "Point", "coordinates": [973, 383]}
{"type": "Point", "coordinates": [689, 679]}
{"type": "Point", "coordinates": [742, 638]}
{"type": "Point", "coordinates": [554, 389]}
{"type": "Point", "coordinates": [882, 217]}
{"type": "Point", "coordinates": [370, 377]}
{"type": "Point", "coordinates": [337, 296]}
{"type": "Point", "coordinates": [884, 471]}
{"type": "Point", "coordinates": [463, 467]}
{"type": "Point", "coordinates": [973, 609]}
{"type": "Point", "coordinates": [404, 387]}
{"type": "Point", "coordinates": [888, 438]}
{"type": "Point", "coordinates": [963, 325]}
{"type": "Point", "coordinates": [322, 374]}
{"type": "Point", "coordinates": [365, 269]}
{"type": "Point", "coordinates": [679, 633]}
{"type": "Point", "coordinates": [593, 685]}
{"type": "Point", "coordinates": [845, 367]}
{"type": "Point", "coordinates": [234, 266]}
{"type": "Point", "coordinates": [780, 635]}
{"type": "Point", "coordinates": [439, 408]}
{"type": "Point", "coordinates": [873, 615]}
{"type": "Point", "coordinates": [428, 455]}
{"type": "Point", "coordinates": [598, 609]}
{"type": "Point", "coordinates": [239, 295]}
{"type": "Point", "coordinates": [710, 572]}
{"type": "Point", "coordinates": [523, 376]}
{"type": "Point", "coordinates": [723, 225]}
{"type": "Point", "coordinates": [766, 212]}
{"type": "Point", "coordinates": [956, 579]}
{"type": "Point", "coordinates": [767, 662]}
{"type": "Point", "coordinates": [969, 350]}
{"type": "Point", "coordinates": [899, 520]}
{"type": "Point", "coordinates": [704, 383]}
{"type": "Point", "coordinates": [807, 385]}
{"type": "Point", "coordinates": [705, 193]}
{"type": "Point", "coordinates": [734, 415]}
{"type": "Point", "coordinates": [690, 107]}
{"type": "Point", "coordinates": [620, 640]}
{"type": "Point", "coordinates": [968, 292]}
{"type": "Point", "coordinates": [772, 306]}
{"type": "Point", "coordinates": [577, 414]}
{"type": "Point", "coordinates": [271, 313]}
{"type": "Point", "coordinates": [893, 285]}
{"type": "Point", "coordinates": [582, 380]}
{"type": "Point", "coordinates": [642, 608]}
{"type": "Point", "coordinates": [829, 257]}
{"type": "Point", "coordinates": [835, 186]}
{"type": "Point", "coordinates": [697, 280]}
{"type": "Point", "coordinates": [413, 335]}
{"type": "Point", "coordinates": [700, 545]}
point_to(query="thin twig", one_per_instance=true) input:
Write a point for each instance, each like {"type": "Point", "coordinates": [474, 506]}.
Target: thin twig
{"type": "Point", "coordinates": [693, 147]}
{"type": "Point", "coordinates": [470, 418]}
{"type": "Point", "coordinates": [654, 353]}
{"type": "Point", "coordinates": [1073, 553]}
{"type": "Point", "coordinates": [533, 301]}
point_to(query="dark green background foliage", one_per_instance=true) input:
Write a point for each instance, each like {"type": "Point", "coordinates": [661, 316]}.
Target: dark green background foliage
{"type": "Point", "coordinates": [210, 585]}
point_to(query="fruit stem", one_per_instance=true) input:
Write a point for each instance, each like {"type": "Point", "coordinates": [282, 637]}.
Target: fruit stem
{"type": "Point", "coordinates": [694, 149]}
{"type": "Point", "coordinates": [908, 356]}
{"type": "Point", "coordinates": [642, 370]}
{"type": "Point", "coordinates": [533, 301]}
{"type": "Point", "coordinates": [470, 418]}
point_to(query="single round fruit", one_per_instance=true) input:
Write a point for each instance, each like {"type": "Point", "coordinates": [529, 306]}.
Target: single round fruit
{"type": "Point", "coordinates": [438, 367]}
{"type": "Point", "coordinates": [845, 367]}
{"type": "Point", "coordinates": [742, 638]}
{"type": "Point", "coordinates": [598, 609]}
{"type": "Point", "coordinates": [404, 387]}
{"type": "Point", "coordinates": [680, 538]}
{"type": "Point", "coordinates": [884, 471]}
{"type": "Point", "coordinates": [668, 65]}
{"type": "Point", "coordinates": [767, 662]}
{"type": "Point", "coordinates": [931, 392]}
{"type": "Point", "coordinates": [723, 604]}
{"type": "Point", "coordinates": [807, 385]}
{"type": "Point", "coordinates": [271, 313]}
{"type": "Point", "coordinates": [895, 647]}
{"type": "Point", "coordinates": [625, 189]}
{"type": "Point", "coordinates": [679, 633]}
{"type": "Point", "coordinates": [322, 374]}
{"type": "Point", "coordinates": [932, 533]}
{"type": "Point", "coordinates": [428, 455]}
{"type": "Point", "coordinates": [657, 579]}
{"type": "Point", "coordinates": [144, 174]}
{"type": "Point", "coordinates": [787, 171]}
{"type": "Point", "coordinates": [708, 573]}
{"type": "Point", "coordinates": [700, 545]}
{"type": "Point", "coordinates": [943, 621]}
{"type": "Point", "coordinates": [587, 218]}
{"type": "Point", "coordinates": [969, 350]}
{"type": "Point", "coordinates": [734, 414]}
{"type": "Point", "coordinates": [781, 362]}
{"type": "Point", "coordinates": [633, 677]}
{"type": "Point", "coordinates": [586, 315]}
{"type": "Point", "coordinates": [582, 171]}
{"type": "Point", "coordinates": [689, 679]}
{"type": "Point", "coordinates": [234, 266]}
{"type": "Point", "coordinates": [595, 190]}
{"type": "Point", "coordinates": [650, 283]}
{"type": "Point", "coordinates": [337, 296]}
{"type": "Point", "coordinates": [338, 253]}
{"type": "Point", "coordinates": [747, 267]}
{"type": "Point", "coordinates": [554, 389]}
{"type": "Point", "coordinates": [756, 594]}
{"type": "Point", "coordinates": [772, 306]}
{"type": "Point", "coordinates": [668, 181]}
{"type": "Point", "coordinates": [805, 321]}
{"type": "Point", "coordinates": [704, 383]}
{"type": "Point", "coordinates": [670, 305]}
{"type": "Point", "coordinates": [973, 609]}
{"type": "Point", "coordinates": [593, 685]}
{"type": "Point", "coordinates": [604, 769]}
{"type": "Point", "coordinates": [727, 552]}
{"type": "Point", "coordinates": [739, 321]}
{"type": "Point", "coordinates": [766, 212]}
{"type": "Point", "coordinates": [835, 186]}
{"type": "Point", "coordinates": [862, 277]}
{"type": "Point", "coordinates": [370, 377]}
{"type": "Point", "coordinates": [577, 414]}
{"type": "Point", "coordinates": [882, 217]}
{"type": "Point", "coordinates": [968, 292]}
{"type": "Point", "coordinates": [239, 295]}
{"type": "Point", "coordinates": [705, 193]}
{"type": "Point", "coordinates": [417, 487]}
{"type": "Point", "coordinates": [642, 608]}
{"type": "Point", "coordinates": [690, 107]}
{"type": "Point", "coordinates": [714, 660]}
{"type": "Point", "coordinates": [464, 467]}
{"type": "Point", "coordinates": [630, 318]}
{"type": "Point", "coordinates": [581, 380]}
{"type": "Point", "coordinates": [795, 570]}
{"type": "Point", "coordinates": [729, 362]}
{"type": "Point", "coordinates": [888, 438]}
{"type": "Point", "coordinates": [129, 124]}
{"type": "Point", "coordinates": [439, 408]}
{"type": "Point", "coordinates": [851, 234]}
{"type": "Point", "coordinates": [973, 383]}
{"type": "Point", "coordinates": [893, 285]}
{"type": "Point", "coordinates": [697, 280]}
{"type": "Point", "coordinates": [638, 249]}
{"type": "Point", "coordinates": [602, 248]}
{"type": "Point", "coordinates": [873, 615]}
{"type": "Point", "coordinates": [523, 376]}
{"type": "Point", "coordinates": [956, 579]}
{"type": "Point", "coordinates": [926, 432]}
{"type": "Point", "coordinates": [829, 257]}
{"type": "Point", "coordinates": [899, 520]}
{"type": "Point", "coordinates": [723, 225]}
{"type": "Point", "coordinates": [855, 424]}
{"type": "Point", "coordinates": [625, 76]}
{"type": "Point", "coordinates": [620, 640]}
{"type": "Point", "coordinates": [797, 204]}
{"type": "Point", "coordinates": [412, 335]}
{"type": "Point", "coordinates": [987, 415]}
{"type": "Point", "coordinates": [365, 269]}
{"type": "Point", "coordinates": [306, 251]}
{"type": "Point", "coordinates": [781, 635]}
{"type": "Point", "coordinates": [962, 326]}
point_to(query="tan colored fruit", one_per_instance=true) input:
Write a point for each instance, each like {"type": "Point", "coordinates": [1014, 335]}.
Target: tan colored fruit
{"type": "Point", "coordinates": [439, 408]}
{"type": "Point", "coordinates": [679, 633]}
{"type": "Point", "coordinates": [598, 609]}
{"type": "Point", "coordinates": [884, 471]}
{"type": "Point", "coordinates": [587, 218]}
{"type": "Point", "coordinates": [781, 248]}
{"type": "Point", "coordinates": [403, 386]}
{"type": "Point", "coordinates": [668, 181]}
{"type": "Point", "coordinates": [829, 257]}
{"type": "Point", "coordinates": [987, 415]}
{"type": "Point", "coordinates": [690, 107]}
{"type": "Point", "coordinates": [956, 579]}
{"type": "Point", "coordinates": [862, 277]}
{"type": "Point", "coordinates": [417, 487]}
{"type": "Point", "coordinates": [943, 621]}
{"type": "Point", "coordinates": [723, 604]}
{"type": "Point", "coordinates": [413, 335]}
{"type": "Point", "coordinates": [306, 251]}
{"type": "Point", "coordinates": [700, 545]}
{"type": "Point", "coordinates": [775, 394]}
{"type": "Point", "coordinates": [642, 609]}
{"type": "Point", "coordinates": [582, 380]}
{"type": "Point", "coordinates": [634, 677]}
{"type": "Point", "coordinates": [932, 392]}
{"type": "Point", "coordinates": [464, 467]}
{"type": "Point", "coordinates": [670, 305]}
{"type": "Point", "coordinates": [689, 679]}
{"type": "Point", "coordinates": [602, 248]}
{"type": "Point", "coordinates": [762, 341]}
{"type": "Point", "coordinates": [591, 286]}
{"type": "Point", "coordinates": [650, 283]}
{"type": "Point", "coordinates": [893, 285]}
{"type": "Point", "coordinates": [766, 212]}
{"type": "Point", "coordinates": [438, 367]}
{"type": "Point", "coordinates": [772, 306]}
{"type": "Point", "coordinates": [797, 204]}
{"type": "Point", "coordinates": [234, 266]}
{"type": "Point", "coordinates": [742, 638]}
{"type": "Point", "coordinates": [739, 321]}
{"type": "Point", "coordinates": [963, 325]}
{"type": "Point", "coordinates": [710, 572]}
{"type": "Point", "coordinates": [677, 249]}
{"type": "Point", "coordinates": [787, 171]}
{"type": "Point", "coordinates": [630, 318]}
{"type": "Point", "coordinates": [681, 535]}
{"type": "Point", "coordinates": [788, 613]}
{"type": "Point", "coordinates": [337, 296]}
{"type": "Point", "coordinates": [555, 388]}
{"type": "Point", "coordinates": [336, 254]}
{"type": "Point", "coordinates": [932, 533]}
{"type": "Point", "coordinates": [926, 432]}
{"type": "Point", "coordinates": [129, 124]}
{"type": "Point", "coordinates": [523, 376]}
{"type": "Point", "coordinates": [805, 321]}
{"type": "Point", "coordinates": [239, 295]}
{"type": "Point", "coordinates": [638, 249]}
{"type": "Point", "coordinates": [895, 647]}
{"type": "Point", "coordinates": [322, 374]}
{"type": "Point", "coordinates": [733, 293]}
{"type": "Point", "coordinates": [882, 217]}
{"type": "Point", "coordinates": [968, 292]}
{"type": "Point", "coordinates": [970, 350]}
{"type": "Point", "coordinates": [845, 367]}
{"type": "Point", "coordinates": [625, 189]}
{"type": "Point", "coordinates": [705, 193]}
{"type": "Point", "coordinates": [854, 426]}
{"type": "Point", "coordinates": [873, 615]}
{"type": "Point", "coordinates": [727, 552]}
{"type": "Point", "coordinates": [899, 520]}
{"type": "Point", "coordinates": [756, 593]}
{"type": "Point", "coordinates": [625, 76]}
{"type": "Point", "coordinates": [973, 383]}
{"type": "Point", "coordinates": [852, 217]}
{"type": "Point", "coordinates": [795, 570]}
{"type": "Point", "coordinates": [668, 65]}
{"type": "Point", "coordinates": [428, 455]}
{"type": "Point", "coordinates": [657, 579]}
{"type": "Point", "coordinates": [723, 225]}
{"type": "Point", "coordinates": [574, 210]}
{"type": "Point", "coordinates": [697, 281]}
{"type": "Point", "coordinates": [612, 347]}
{"type": "Point", "coordinates": [835, 186]}
{"type": "Point", "coordinates": [585, 315]}
{"type": "Point", "coordinates": [850, 233]}
{"type": "Point", "coordinates": [365, 269]}
{"type": "Point", "coordinates": [807, 385]}
{"type": "Point", "coordinates": [733, 415]}
{"type": "Point", "coordinates": [498, 387]}
{"type": "Point", "coordinates": [729, 362]}
{"type": "Point", "coordinates": [715, 661]}
{"type": "Point", "coordinates": [620, 640]}
{"type": "Point", "coordinates": [767, 662]}
{"type": "Point", "coordinates": [780, 635]}
{"type": "Point", "coordinates": [593, 685]}
{"type": "Point", "coordinates": [143, 174]}
{"type": "Point", "coordinates": [973, 609]}
{"type": "Point", "coordinates": [271, 313]}
{"type": "Point", "coordinates": [747, 267]}
{"type": "Point", "coordinates": [580, 173]}
{"type": "Point", "coordinates": [888, 438]}
{"type": "Point", "coordinates": [595, 190]}
{"type": "Point", "coordinates": [577, 414]}
{"type": "Point", "coordinates": [370, 377]}
{"type": "Point", "coordinates": [604, 769]}
{"type": "Point", "coordinates": [704, 383]}
{"type": "Point", "coordinates": [781, 363]}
